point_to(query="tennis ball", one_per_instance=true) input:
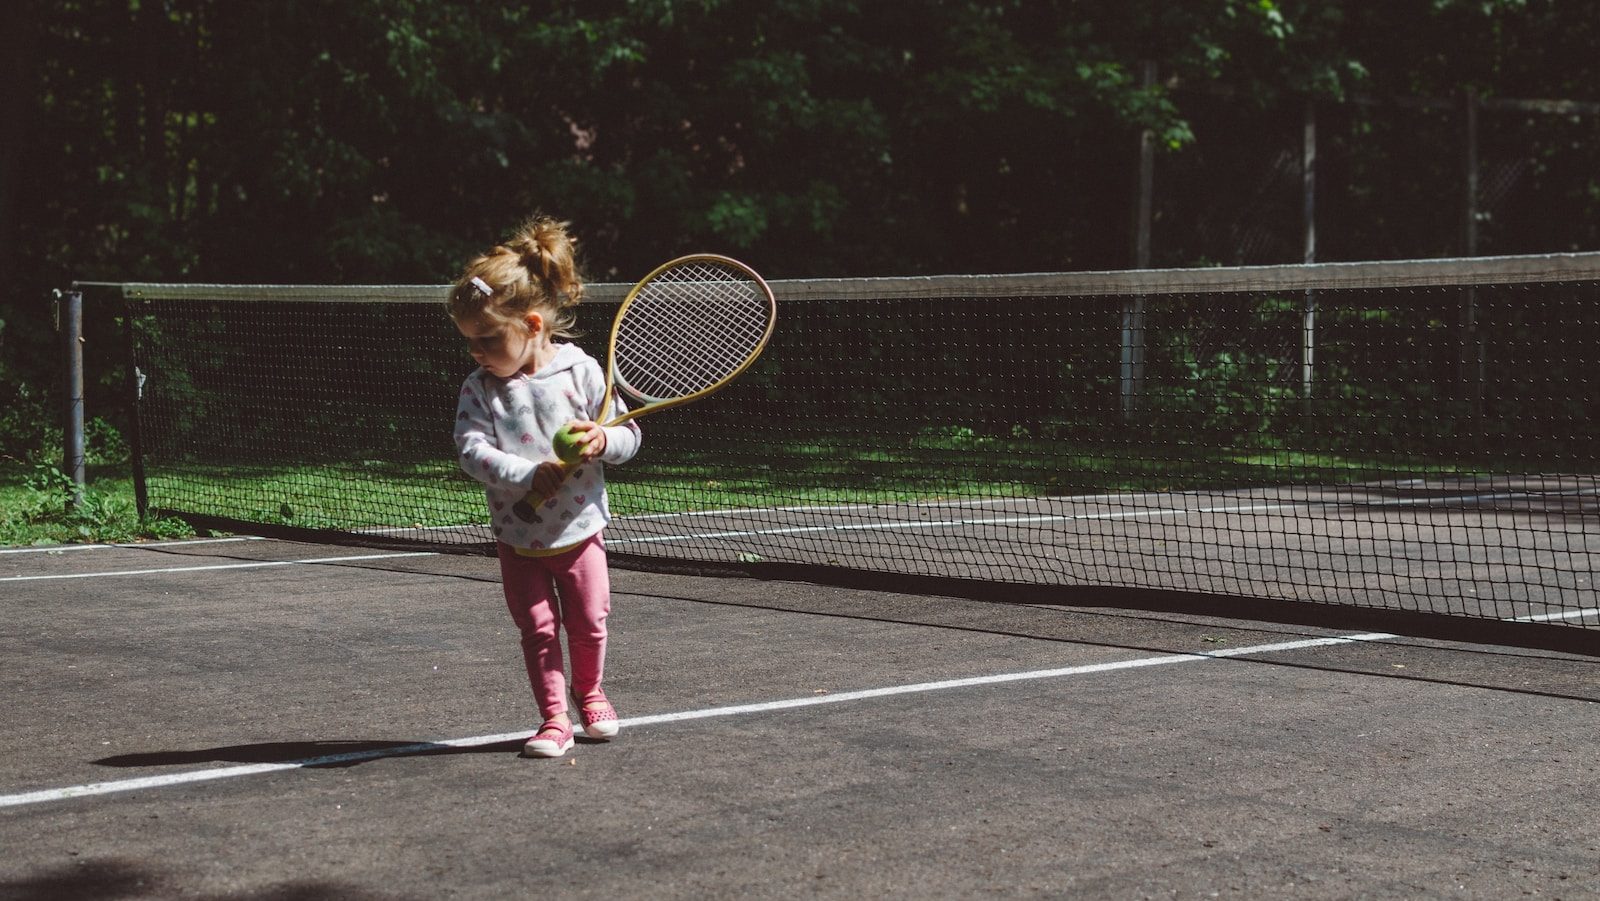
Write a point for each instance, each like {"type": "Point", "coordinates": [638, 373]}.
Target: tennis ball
{"type": "Point", "coordinates": [566, 445]}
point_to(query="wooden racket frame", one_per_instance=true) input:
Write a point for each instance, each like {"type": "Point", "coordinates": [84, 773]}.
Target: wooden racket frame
{"type": "Point", "coordinates": [652, 405]}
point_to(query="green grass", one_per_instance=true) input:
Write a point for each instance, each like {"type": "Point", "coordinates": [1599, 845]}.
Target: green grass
{"type": "Point", "coordinates": [34, 510]}
{"type": "Point", "coordinates": [359, 494]}
{"type": "Point", "coordinates": [952, 467]}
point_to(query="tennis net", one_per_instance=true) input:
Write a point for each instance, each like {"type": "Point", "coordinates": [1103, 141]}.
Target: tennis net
{"type": "Point", "coordinates": [1414, 437]}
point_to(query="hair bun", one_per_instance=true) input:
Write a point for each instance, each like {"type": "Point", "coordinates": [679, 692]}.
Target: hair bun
{"type": "Point", "coordinates": [547, 252]}
{"type": "Point", "coordinates": [533, 256]}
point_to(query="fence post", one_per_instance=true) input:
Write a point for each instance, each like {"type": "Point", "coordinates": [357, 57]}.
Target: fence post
{"type": "Point", "coordinates": [135, 388]}
{"type": "Point", "coordinates": [72, 428]}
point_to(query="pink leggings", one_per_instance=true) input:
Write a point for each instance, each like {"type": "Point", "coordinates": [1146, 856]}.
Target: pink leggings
{"type": "Point", "coordinates": [541, 593]}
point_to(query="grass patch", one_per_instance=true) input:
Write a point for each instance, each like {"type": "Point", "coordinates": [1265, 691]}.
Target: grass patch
{"type": "Point", "coordinates": [36, 511]}
{"type": "Point", "coordinates": [670, 477]}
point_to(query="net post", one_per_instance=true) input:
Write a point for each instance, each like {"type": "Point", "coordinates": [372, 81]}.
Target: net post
{"type": "Point", "coordinates": [73, 456]}
{"type": "Point", "coordinates": [134, 387]}
{"type": "Point", "coordinates": [1132, 364]}
{"type": "Point", "coordinates": [1471, 363]}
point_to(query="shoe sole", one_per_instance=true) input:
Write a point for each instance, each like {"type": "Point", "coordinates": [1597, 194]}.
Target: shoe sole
{"type": "Point", "coordinates": [546, 749]}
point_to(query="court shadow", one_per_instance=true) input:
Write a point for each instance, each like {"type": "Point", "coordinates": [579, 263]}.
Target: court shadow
{"type": "Point", "coordinates": [108, 878]}
{"type": "Point", "coordinates": [308, 754]}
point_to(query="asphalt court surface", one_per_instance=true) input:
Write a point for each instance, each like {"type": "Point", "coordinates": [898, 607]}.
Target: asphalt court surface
{"type": "Point", "coordinates": [336, 722]}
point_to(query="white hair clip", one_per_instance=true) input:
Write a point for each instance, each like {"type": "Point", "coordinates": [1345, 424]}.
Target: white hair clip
{"type": "Point", "coordinates": [483, 286]}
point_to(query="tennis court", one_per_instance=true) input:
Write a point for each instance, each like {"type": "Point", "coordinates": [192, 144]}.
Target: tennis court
{"type": "Point", "coordinates": [1140, 452]}
{"type": "Point", "coordinates": [270, 719]}
{"type": "Point", "coordinates": [1264, 582]}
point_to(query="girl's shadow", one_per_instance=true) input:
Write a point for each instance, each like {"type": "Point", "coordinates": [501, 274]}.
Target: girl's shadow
{"type": "Point", "coordinates": [308, 754]}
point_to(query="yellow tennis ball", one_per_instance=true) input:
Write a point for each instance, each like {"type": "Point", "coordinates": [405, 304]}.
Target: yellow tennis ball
{"type": "Point", "coordinates": [566, 445]}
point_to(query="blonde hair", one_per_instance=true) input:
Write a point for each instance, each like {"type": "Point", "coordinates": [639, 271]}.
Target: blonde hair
{"type": "Point", "coordinates": [535, 271]}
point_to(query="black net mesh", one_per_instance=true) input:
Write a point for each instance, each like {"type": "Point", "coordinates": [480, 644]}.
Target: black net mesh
{"type": "Point", "coordinates": [1333, 441]}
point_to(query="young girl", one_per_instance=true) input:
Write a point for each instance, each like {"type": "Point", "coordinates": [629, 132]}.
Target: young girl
{"type": "Point", "coordinates": [512, 304]}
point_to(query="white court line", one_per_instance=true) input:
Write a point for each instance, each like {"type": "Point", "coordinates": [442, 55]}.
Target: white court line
{"type": "Point", "coordinates": [64, 548]}
{"type": "Point", "coordinates": [1552, 617]}
{"type": "Point", "coordinates": [702, 536]}
{"type": "Point", "coordinates": [890, 525]}
{"type": "Point", "coordinates": [1120, 497]}
{"type": "Point", "coordinates": [902, 524]}
{"type": "Point", "coordinates": [1052, 517]}
{"type": "Point", "coordinates": [885, 526]}
{"type": "Point", "coordinates": [124, 785]}
{"type": "Point", "coordinates": [868, 507]}
{"type": "Point", "coordinates": [856, 527]}
{"type": "Point", "coordinates": [256, 564]}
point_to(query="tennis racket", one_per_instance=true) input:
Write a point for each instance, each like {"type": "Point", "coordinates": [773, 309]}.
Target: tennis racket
{"type": "Point", "coordinates": [683, 332]}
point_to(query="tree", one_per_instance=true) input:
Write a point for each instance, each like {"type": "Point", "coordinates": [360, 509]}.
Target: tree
{"type": "Point", "coordinates": [386, 140]}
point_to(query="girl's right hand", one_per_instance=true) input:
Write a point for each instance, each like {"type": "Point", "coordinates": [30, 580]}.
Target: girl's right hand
{"type": "Point", "coordinates": [547, 478]}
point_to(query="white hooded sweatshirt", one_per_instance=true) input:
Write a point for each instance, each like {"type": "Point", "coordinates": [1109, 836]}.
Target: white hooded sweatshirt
{"type": "Point", "coordinates": [503, 431]}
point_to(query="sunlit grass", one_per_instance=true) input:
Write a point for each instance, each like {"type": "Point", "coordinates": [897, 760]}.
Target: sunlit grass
{"type": "Point", "coordinates": [671, 478]}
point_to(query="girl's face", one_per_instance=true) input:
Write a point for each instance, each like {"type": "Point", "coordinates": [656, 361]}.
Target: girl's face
{"type": "Point", "coordinates": [500, 350]}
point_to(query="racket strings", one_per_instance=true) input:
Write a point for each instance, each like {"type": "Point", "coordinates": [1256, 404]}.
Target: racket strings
{"type": "Point", "coordinates": [660, 357]}
{"type": "Point", "coordinates": [689, 329]}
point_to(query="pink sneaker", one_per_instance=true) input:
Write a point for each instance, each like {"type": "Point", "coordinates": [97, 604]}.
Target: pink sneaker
{"type": "Point", "coordinates": [552, 740]}
{"type": "Point", "coordinates": [599, 717]}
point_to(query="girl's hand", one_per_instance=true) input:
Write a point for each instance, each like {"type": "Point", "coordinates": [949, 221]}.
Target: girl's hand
{"type": "Point", "coordinates": [546, 479]}
{"type": "Point", "coordinates": [592, 438]}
